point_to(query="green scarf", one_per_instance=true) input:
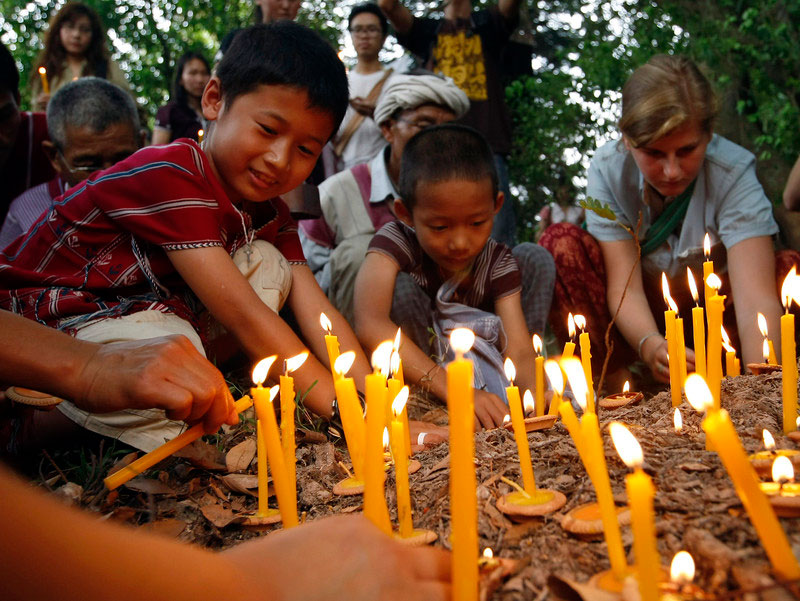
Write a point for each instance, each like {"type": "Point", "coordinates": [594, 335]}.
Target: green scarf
{"type": "Point", "coordinates": [668, 221]}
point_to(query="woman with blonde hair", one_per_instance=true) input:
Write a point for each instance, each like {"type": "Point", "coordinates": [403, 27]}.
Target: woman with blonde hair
{"type": "Point", "coordinates": [684, 181]}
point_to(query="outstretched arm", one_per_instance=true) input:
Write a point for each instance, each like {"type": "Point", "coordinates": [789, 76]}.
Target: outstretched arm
{"type": "Point", "coordinates": [164, 373]}
{"type": "Point", "coordinates": [399, 16]}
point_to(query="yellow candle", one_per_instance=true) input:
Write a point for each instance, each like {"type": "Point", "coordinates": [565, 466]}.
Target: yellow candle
{"type": "Point", "coordinates": [586, 361]}
{"type": "Point", "coordinates": [263, 480]}
{"type": "Point", "coordinates": [698, 329]}
{"type": "Point", "coordinates": [463, 495]}
{"type": "Point", "coordinates": [287, 414]}
{"type": "Point", "coordinates": [122, 475]}
{"type": "Point", "coordinates": [43, 77]}
{"type": "Point", "coordinates": [640, 499]}
{"type": "Point", "coordinates": [680, 345]}
{"type": "Point", "coordinates": [351, 412]}
{"type": "Point", "coordinates": [404, 522]}
{"type": "Point", "coordinates": [708, 269]}
{"type": "Point", "coordinates": [265, 411]}
{"type": "Point", "coordinates": [730, 364]}
{"type": "Point", "coordinates": [374, 471]}
{"type": "Point", "coordinates": [520, 434]}
{"type": "Point", "coordinates": [331, 342]}
{"type": "Point", "coordinates": [719, 428]}
{"type": "Point", "coordinates": [789, 373]}
{"type": "Point", "coordinates": [714, 308]}
{"type": "Point", "coordinates": [556, 379]}
{"type": "Point", "coordinates": [589, 443]}
{"type": "Point", "coordinates": [670, 316]}
{"type": "Point", "coordinates": [538, 372]}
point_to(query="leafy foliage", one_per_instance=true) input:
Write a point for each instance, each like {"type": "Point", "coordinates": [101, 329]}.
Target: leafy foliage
{"type": "Point", "coordinates": [600, 208]}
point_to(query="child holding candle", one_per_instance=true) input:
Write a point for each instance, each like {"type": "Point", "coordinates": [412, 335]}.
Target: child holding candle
{"type": "Point", "coordinates": [129, 256]}
{"type": "Point", "coordinates": [685, 181]}
{"type": "Point", "coordinates": [458, 275]}
{"type": "Point", "coordinates": [74, 46]}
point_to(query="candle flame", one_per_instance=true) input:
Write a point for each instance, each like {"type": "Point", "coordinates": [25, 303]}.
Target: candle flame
{"type": "Point", "coordinates": [665, 291]}
{"type": "Point", "coordinates": [692, 284]}
{"type": "Point", "coordinates": [381, 357]}
{"type": "Point", "coordinates": [707, 246]}
{"type": "Point", "coordinates": [580, 321]}
{"type": "Point", "coordinates": [344, 362]}
{"type": "Point", "coordinates": [261, 370]}
{"type": "Point", "coordinates": [527, 402]}
{"type": "Point", "coordinates": [296, 362]}
{"type": "Point", "coordinates": [681, 571]}
{"type": "Point", "coordinates": [782, 470]}
{"type": "Point", "coordinates": [554, 375]}
{"type": "Point", "coordinates": [765, 350]}
{"type": "Point", "coordinates": [506, 418]}
{"type": "Point", "coordinates": [714, 282]}
{"type": "Point", "coordinates": [571, 326]}
{"type": "Point", "coordinates": [487, 553]}
{"type": "Point", "coordinates": [762, 324]}
{"type": "Point", "coordinates": [677, 420]}
{"type": "Point", "coordinates": [577, 379]}
{"type": "Point", "coordinates": [42, 71]}
{"type": "Point", "coordinates": [462, 339]}
{"type": "Point", "coordinates": [626, 444]}
{"type": "Point", "coordinates": [537, 344]}
{"type": "Point", "coordinates": [789, 288]}
{"type": "Point", "coordinates": [399, 402]}
{"type": "Point", "coordinates": [698, 393]}
{"type": "Point", "coordinates": [385, 439]}
{"type": "Point", "coordinates": [769, 440]}
{"type": "Point", "coordinates": [396, 345]}
{"type": "Point", "coordinates": [273, 392]}
{"type": "Point", "coordinates": [200, 134]}
{"type": "Point", "coordinates": [626, 386]}
{"type": "Point", "coordinates": [726, 341]}
{"type": "Point", "coordinates": [325, 323]}
{"type": "Point", "coordinates": [394, 363]}
{"type": "Point", "coordinates": [511, 371]}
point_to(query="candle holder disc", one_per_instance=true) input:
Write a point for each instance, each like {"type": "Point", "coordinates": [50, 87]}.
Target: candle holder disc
{"type": "Point", "coordinates": [541, 502]}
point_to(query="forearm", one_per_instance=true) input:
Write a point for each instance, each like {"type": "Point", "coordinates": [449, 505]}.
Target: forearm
{"type": "Point", "coordinates": [791, 193]}
{"type": "Point", "coordinates": [635, 318]}
{"type": "Point", "coordinates": [399, 16]}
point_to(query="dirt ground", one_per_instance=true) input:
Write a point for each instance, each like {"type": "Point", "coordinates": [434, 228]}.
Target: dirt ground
{"type": "Point", "coordinates": [201, 499]}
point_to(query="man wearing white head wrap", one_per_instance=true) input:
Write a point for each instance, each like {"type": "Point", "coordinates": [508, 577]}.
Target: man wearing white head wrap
{"type": "Point", "coordinates": [358, 201]}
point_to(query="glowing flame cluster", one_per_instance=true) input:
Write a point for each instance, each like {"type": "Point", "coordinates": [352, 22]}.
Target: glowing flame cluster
{"type": "Point", "coordinates": [382, 358]}
{"type": "Point", "coordinates": [580, 321]}
{"type": "Point", "coordinates": [462, 339]}
{"type": "Point", "coordinates": [681, 570]}
{"type": "Point", "coordinates": [554, 375]}
{"type": "Point", "coordinates": [626, 444]}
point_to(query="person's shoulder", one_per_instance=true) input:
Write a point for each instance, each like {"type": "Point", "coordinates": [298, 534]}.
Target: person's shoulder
{"type": "Point", "coordinates": [727, 155]}
{"type": "Point", "coordinates": [337, 179]}
{"type": "Point", "coordinates": [613, 150]}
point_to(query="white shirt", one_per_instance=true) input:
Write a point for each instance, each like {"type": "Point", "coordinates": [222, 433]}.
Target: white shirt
{"type": "Point", "coordinates": [367, 139]}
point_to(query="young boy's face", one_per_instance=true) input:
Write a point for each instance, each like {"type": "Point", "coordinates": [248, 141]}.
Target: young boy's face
{"type": "Point", "coordinates": [266, 142]}
{"type": "Point", "coordinates": [453, 220]}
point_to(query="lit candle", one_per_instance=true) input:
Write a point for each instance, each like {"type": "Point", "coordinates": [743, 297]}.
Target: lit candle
{"type": "Point", "coordinates": [402, 489]}
{"type": "Point", "coordinates": [731, 369]}
{"type": "Point", "coordinates": [769, 348]}
{"type": "Point", "coordinates": [122, 475]}
{"type": "Point", "coordinates": [677, 420]}
{"type": "Point", "coordinates": [351, 412]}
{"type": "Point", "coordinates": [681, 570]}
{"type": "Point", "coordinates": [719, 428]}
{"type": "Point", "coordinates": [556, 379]}
{"type": "Point", "coordinates": [680, 345]}
{"type": "Point", "coordinates": [396, 371]}
{"type": "Point", "coordinates": [520, 433]}
{"type": "Point", "coordinates": [43, 77]}
{"type": "Point", "coordinates": [569, 347]}
{"type": "Point", "coordinates": [539, 374]}
{"type": "Point", "coordinates": [200, 134]}
{"type": "Point", "coordinates": [670, 316]}
{"type": "Point", "coordinates": [589, 444]}
{"type": "Point", "coordinates": [375, 508]}
{"type": "Point", "coordinates": [331, 341]}
{"type": "Point", "coordinates": [263, 480]}
{"type": "Point", "coordinates": [265, 411]}
{"type": "Point", "coordinates": [708, 268]}
{"type": "Point", "coordinates": [463, 495]}
{"type": "Point", "coordinates": [789, 292]}
{"type": "Point", "coordinates": [287, 414]}
{"type": "Point", "coordinates": [586, 360]}
{"type": "Point", "coordinates": [397, 364]}
{"type": "Point", "coordinates": [640, 498]}
{"type": "Point", "coordinates": [698, 327]}
{"type": "Point", "coordinates": [715, 305]}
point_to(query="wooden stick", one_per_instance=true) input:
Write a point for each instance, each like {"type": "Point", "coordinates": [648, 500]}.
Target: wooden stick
{"type": "Point", "coordinates": [122, 475]}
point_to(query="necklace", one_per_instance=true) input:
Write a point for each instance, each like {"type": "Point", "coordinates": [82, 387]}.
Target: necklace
{"type": "Point", "coordinates": [248, 237]}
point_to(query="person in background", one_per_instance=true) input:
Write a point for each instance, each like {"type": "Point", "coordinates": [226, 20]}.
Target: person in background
{"type": "Point", "coordinates": [74, 46]}
{"type": "Point", "coordinates": [182, 116]}
{"type": "Point", "coordinates": [267, 11]}
{"type": "Point", "coordinates": [685, 181]}
{"type": "Point", "coordinates": [359, 138]}
{"type": "Point", "coordinates": [93, 124]}
{"type": "Point", "coordinates": [23, 162]}
{"type": "Point", "coordinates": [467, 46]}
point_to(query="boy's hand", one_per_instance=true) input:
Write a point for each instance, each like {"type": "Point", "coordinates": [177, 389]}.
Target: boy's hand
{"type": "Point", "coordinates": [163, 373]}
{"type": "Point", "coordinates": [489, 410]}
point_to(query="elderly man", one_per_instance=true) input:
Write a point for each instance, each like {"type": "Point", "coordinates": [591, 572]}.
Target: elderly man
{"type": "Point", "coordinates": [92, 124]}
{"type": "Point", "coordinates": [358, 201]}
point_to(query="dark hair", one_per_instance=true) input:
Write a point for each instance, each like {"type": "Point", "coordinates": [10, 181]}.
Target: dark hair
{"type": "Point", "coordinates": [53, 56]}
{"type": "Point", "coordinates": [179, 94]}
{"type": "Point", "coordinates": [285, 54]}
{"type": "Point", "coordinates": [443, 153]}
{"type": "Point", "coordinates": [9, 74]}
{"type": "Point", "coordinates": [368, 7]}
